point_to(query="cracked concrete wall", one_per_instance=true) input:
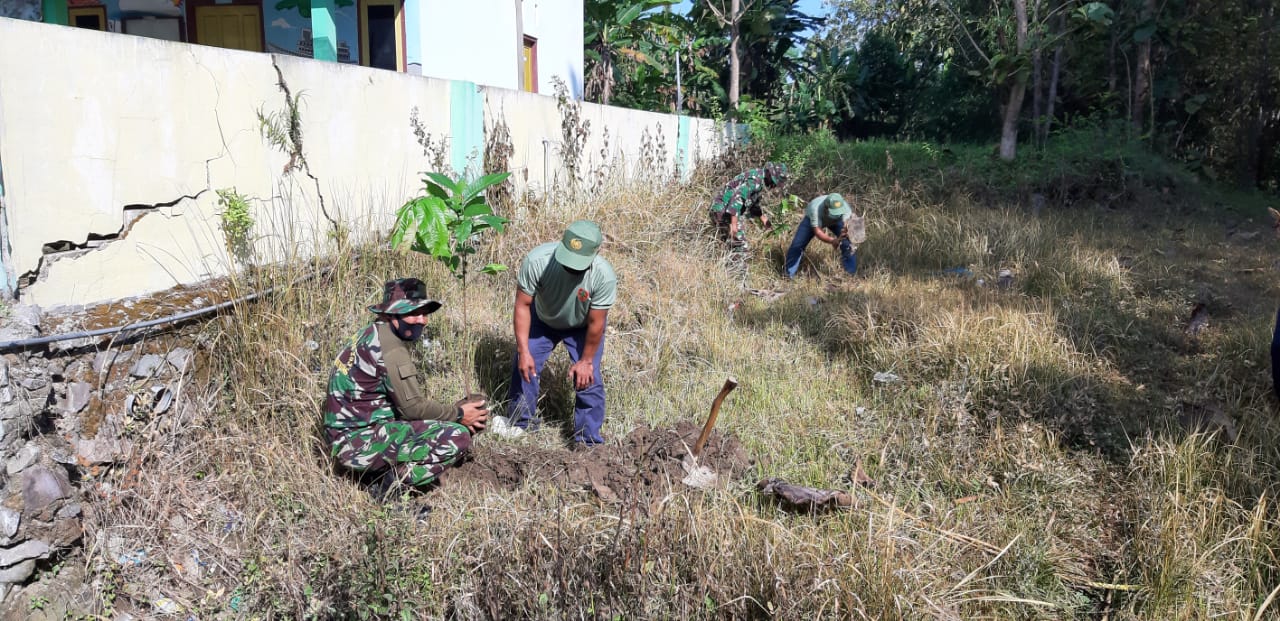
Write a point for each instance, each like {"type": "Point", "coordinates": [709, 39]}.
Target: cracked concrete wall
{"type": "Point", "coordinates": [135, 121]}
{"type": "Point", "coordinates": [131, 121]}
{"type": "Point", "coordinates": [124, 121]}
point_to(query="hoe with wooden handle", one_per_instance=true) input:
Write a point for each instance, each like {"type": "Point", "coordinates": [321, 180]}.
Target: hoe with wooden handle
{"type": "Point", "coordinates": [702, 476]}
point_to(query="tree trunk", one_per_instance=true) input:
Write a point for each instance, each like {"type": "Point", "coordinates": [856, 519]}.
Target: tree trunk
{"type": "Point", "coordinates": [1142, 81]}
{"type": "Point", "coordinates": [1012, 111]}
{"type": "Point", "coordinates": [606, 90]}
{"type": "Point", "coordinates": [1037, 97]}
{"type": "Point", "coordinates": [1037, 84]}
{"type": "Point", "coordinates": [1111, 62]}
{"type": "Point", "coordinates": [1268, 116]}
{"type": "Point", "coordinates": [735, 17]}
{"type": "Point", "coordinates": [1054, 72]}
{"type": "Point", "coordinates": [1253, 140]}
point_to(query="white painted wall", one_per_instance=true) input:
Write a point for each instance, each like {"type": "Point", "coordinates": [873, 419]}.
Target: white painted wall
{"type": "Point", "coordinates": [472, 40]}
{"type": "Point", "coordinates": [477, 40]}
{"type": "Point", "coordinates": [136, 121]}
{"type": "Point", "coordinates": [557, 24]}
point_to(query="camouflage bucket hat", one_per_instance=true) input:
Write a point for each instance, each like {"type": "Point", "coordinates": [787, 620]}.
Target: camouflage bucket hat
{"type": "Point", "coordinates": [403, 296]}
{"type": "Point", "coordinates": [775, 173]}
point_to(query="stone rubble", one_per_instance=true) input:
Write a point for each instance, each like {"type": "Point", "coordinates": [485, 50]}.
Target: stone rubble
{"type": "Point", "coordinates": [62, 417]}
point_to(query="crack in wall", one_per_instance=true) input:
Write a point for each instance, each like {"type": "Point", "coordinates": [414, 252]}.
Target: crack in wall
{"type": "Point", "coordinates": [293, 133]}
{"type": "Point", "coordinates": [57, 250]}
{"type": "Point", "coordinates": [64, 249]}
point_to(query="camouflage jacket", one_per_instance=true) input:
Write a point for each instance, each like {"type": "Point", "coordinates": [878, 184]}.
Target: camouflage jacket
{"type": "Point", "coordinates": [372, 383]}
{"type": "Point", "coordinates": [741, 196]}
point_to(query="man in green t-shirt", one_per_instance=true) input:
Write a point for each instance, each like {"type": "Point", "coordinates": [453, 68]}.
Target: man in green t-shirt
{"type": "Point", "coordinates": [565, 292]}
{"type": "Point", "coordinates": [825, 218]}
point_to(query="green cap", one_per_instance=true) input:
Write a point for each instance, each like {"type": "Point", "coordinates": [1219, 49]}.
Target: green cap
{"type": "Point", "coordinates": [836, 205]}
{"type": "Point", "coordinates": [578, 247]}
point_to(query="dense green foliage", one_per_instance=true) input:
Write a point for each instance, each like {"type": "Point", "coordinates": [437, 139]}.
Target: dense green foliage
{"type": "Point", "coordinates": [1189, 79]}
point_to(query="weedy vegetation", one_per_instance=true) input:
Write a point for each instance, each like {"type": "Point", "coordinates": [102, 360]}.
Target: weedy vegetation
{"type": "Point", "coordinates": [1043, 453]}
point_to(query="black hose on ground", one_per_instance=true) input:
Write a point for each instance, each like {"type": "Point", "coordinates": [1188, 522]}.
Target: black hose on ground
{"type": "Point", "coordinates": [7, 346]}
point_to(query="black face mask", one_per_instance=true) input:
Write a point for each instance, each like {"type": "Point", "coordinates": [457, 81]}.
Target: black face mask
{"type": "Point", "coordinates": [407, 331]}
{"type": "Point", "coordinates": [573, 271]}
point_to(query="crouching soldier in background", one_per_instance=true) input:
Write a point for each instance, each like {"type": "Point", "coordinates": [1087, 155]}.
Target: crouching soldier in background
{"type": "Point", "coordinates": [827, 218]}
{"type": "Point", "coordinates": [376, 417]}
{"type": "Point", "coordinates": [740, 199]}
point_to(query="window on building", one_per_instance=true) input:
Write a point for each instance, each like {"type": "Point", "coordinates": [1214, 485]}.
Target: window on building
{"type": "Point", "coordinates": [164, 28]}
{"type": "Point", "coordinates": [530, 61]}
{"type": "Point", "coordinates": [88, 17]}
{"type": "Point", "coordinates": [382, 34]}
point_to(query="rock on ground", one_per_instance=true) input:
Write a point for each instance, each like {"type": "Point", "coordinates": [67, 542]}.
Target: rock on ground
{"type": "Point", "coordinates": [146, 366]}
{"type": "Point", "coordinates": [41, 487]}
{"type": "Point", "coordinates": [23, 459]}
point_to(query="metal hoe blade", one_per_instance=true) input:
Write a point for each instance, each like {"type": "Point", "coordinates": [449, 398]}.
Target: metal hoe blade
{"type": "Point", "coordinates": [697, 475]}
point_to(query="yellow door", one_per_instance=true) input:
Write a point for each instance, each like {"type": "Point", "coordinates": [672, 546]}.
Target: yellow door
{"type": "Point", "coordinates": [234, 27]}
{"type": "Point", "coordinates": [530, 59]}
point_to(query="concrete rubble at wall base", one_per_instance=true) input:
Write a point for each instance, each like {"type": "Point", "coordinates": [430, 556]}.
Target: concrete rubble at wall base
{"type": "Point", "coordinates": [68, 417]}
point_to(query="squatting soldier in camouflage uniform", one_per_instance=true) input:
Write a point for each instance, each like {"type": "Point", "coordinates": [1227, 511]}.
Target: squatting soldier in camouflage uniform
{"type": "Point", "coordinates": [376, 417]}
{"type": "Point", "coordinates": [740, 199]}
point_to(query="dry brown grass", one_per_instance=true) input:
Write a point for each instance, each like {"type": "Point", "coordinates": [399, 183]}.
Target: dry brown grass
{"type": "Point", "coordinates": [1028, 464]}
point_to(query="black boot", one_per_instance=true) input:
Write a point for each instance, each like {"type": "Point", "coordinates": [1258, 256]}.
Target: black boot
{"type": "Point", "coordinates": [383, 487]}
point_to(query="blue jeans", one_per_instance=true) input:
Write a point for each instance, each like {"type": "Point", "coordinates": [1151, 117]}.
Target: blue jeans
{"type": "Point", "coordinates": [1275, 356]}
{"type": "Point", "coordinates": [804, 235]}
{"type": "Point", "coordinates": [588, 406]}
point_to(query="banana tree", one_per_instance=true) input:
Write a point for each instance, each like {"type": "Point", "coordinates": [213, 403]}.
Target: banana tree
{"type": "Point", "coordinates": [614, 29]}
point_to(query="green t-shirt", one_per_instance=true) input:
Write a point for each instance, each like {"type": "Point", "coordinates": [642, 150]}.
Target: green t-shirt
{"type": "Point", "coordinates": [560, 298]}
{"type": "Point", "coordinates": [817, 212]}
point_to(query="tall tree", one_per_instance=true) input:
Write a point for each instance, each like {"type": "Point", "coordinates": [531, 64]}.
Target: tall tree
{"type": "Point", "coordinates": [730, 16]}
{"type": "Point", "coordinates": [1013, 109]}
{"type": "Point", "coordinates": [1143, 35]}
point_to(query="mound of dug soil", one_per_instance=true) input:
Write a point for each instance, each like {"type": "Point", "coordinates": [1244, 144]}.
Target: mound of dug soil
{"type": "Point", "coordinates": [646, 462]}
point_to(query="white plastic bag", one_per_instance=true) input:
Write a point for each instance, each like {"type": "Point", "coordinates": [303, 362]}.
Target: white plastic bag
{"type": "Point", "coordinates": [856, 229]}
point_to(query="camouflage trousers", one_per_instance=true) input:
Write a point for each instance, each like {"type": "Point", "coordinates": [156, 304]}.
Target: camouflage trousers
{"type": "Point", "coordinates": [720, 222]}
{"type": "Point", "coordinates": [417, 451]}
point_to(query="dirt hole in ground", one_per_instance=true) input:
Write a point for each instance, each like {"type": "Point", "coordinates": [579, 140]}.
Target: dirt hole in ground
{"type": "Point", "coordinates": [646, 462]}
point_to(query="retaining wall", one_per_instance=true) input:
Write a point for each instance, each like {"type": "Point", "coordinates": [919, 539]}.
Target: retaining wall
{"type": "Point", "coordinates": [112, 148]}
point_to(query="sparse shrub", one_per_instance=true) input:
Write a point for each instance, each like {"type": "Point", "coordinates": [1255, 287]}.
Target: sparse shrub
{"type": "Point", "coordinates": [497, 159]}
{"type": "Point", "coordinates": [435, 150]}
{"type": "Point", "coordinates": [237, 224]}
{"type": "Point", "coordinates": [574, 132]}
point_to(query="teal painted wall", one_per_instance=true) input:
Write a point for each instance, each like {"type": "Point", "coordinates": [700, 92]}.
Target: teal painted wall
{"type": "Point", "coordinates": [684, 165]}
{"type": "Point", "coordinates": [324, 30]}
{"type": "Point", "coordinates": [55, 11]}
{"type": "Point", "coordinates": [6, 284]}
{"type": "Point", "coordinates": [321, 29]}
{"type": "Point", "coordinates": [466, 124]}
